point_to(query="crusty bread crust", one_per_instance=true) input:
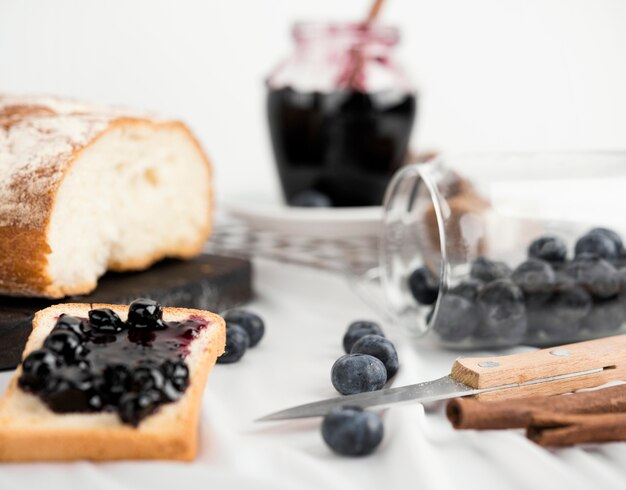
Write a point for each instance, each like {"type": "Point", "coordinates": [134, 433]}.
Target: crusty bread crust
{"type": "Point", "coordinates": [171, 433]}
{"type": "Point", "coordinates": [24, 245]}
{"type": "Point", "coordinates": [23, 264]}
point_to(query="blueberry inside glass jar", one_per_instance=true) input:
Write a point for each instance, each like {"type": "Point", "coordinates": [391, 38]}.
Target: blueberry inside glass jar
{"type": "Point", "coordinates": [340, 114]}
{"type": "Point", "coordinates": [499, 249]}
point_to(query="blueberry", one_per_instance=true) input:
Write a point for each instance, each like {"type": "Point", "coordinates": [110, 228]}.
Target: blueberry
{"type": "Point", "coordinates": [72, 389]}
{"type": "Point", "coordinates": [560, 316]}
{"type": "Point", "coordinates": [605, 316]}
{"type": "Point", "coordinates": [457, 319]}
{"type": "Point", "coordinates": [145, 313]}
{"type": "Point", "coordinates": [358, 329]}
{"type": "Point", "coordinates": [621, 275]}
{"type": "Point", "coordinates": [351, 431]}
{"type": "Point", "coordinates": [534, 277]}
{"type": "Point", "coordinates": [251, 323]}
{"type": "Point", "coordinates": [357, 373]}
{"type": "Point", "coordinates": [116, 380]}
{"type": "Point", "coordinates": [549, 248]}
{"type": "Point", "coordinates": [468, 289]}
{"type": "Point", "coordinates": [612, 235]}
{"type": "Point", "coordinates": [563, 279]}
{"type": "Point", "coordinates": [599, 243]}
{"type": "Point", "coordinates": [620, 262]}
{"type": "Point", "coordinates": [71, 323]}
{"type": "Point", "coordinates": [237, 342]}
{"type": "Point", "coordinates": [534, 322]}
{"type": "Point", "coordinates": [542, 327]}
{"type": "Point", "coordinates": [537, 300]}
{"type": "Point", "coordinates": [310, 199]}
{"type": "Point", "coordinates": [367, 324]}
{"type": "Point", "coordinates": [595, 274]}
{"type": "Point", "coordinates": [535, 307]}
{"type": "Point", "coordinates": [503, 312]}
{"type": "Point", "coordinates": [424, 286]}
{"type": "Point", "coordinates": [381, 348]}
{"type": "Point", "coordinates": [134, 407]}
{"type": "Point", "coordinates": [488, 270]}
{"type": "Point", "coordinates": [147, 378]}
{"type": "Point", "coordinates": [570, 303]}
{"type": "Point", "coordinates": [37, 366]}
{"type": "Point", "coordinates": [105, 320]}
{"type": "Point", "coordinates": [176, 379]}
{"type": "Point", "coordinates": [66, 344]}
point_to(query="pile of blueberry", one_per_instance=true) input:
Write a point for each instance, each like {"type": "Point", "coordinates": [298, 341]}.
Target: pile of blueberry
{"type": "Point", "coordinates": [102, 363]}
{"type": "Point", "coordinates": [547, 298]}
{"type": "Point", "coordinates": [244, 329]}
{"type": "Point", "coordinates": [371, 361]}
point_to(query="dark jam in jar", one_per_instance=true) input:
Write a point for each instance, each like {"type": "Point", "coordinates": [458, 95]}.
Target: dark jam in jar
{"type": "Point", "coordinates": [340, 111]}
{"type": "Point", "coordinates": [102, 363]}
{"type": "Point", "coordinates": [344, 144]}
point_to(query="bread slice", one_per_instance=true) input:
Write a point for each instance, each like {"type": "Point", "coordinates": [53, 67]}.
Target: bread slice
{"type": "Point", "coordinates": [85, 189]}
{"type": "Point", "coordinates": [29, 431]}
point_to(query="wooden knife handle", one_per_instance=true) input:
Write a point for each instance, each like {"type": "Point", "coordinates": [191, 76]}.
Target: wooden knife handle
{"type": "Point", "coordinates": [486, 372]}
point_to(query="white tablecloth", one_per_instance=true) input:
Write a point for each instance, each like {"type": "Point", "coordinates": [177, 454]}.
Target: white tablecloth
{"type": "Point", "coordinates": [306, 313]}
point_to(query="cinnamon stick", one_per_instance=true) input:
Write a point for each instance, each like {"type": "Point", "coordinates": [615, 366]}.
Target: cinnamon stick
{"type": "Point", "coordinates": [467, 413]}
{"type": "Point", "coordinates": [558, 429]}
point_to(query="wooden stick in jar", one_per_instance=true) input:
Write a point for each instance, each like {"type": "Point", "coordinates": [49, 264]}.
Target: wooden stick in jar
{"type": "Point", "coordinates": [374, 11]}
{"type": "Point", "coordinates": [357, 61]}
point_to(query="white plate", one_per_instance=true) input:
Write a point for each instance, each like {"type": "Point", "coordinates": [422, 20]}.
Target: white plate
{"type": "Point", "coordinates": [270, 214]}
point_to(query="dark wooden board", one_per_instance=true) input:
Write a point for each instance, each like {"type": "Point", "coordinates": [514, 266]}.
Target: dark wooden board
{"type": "Point", "coordinates": [208, 282]}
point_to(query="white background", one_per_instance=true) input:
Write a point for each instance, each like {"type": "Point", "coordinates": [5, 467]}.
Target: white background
{"type": "Point", "coordinates": [493, 74]}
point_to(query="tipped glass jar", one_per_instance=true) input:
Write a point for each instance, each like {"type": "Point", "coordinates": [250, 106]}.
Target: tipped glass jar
{"type": "Point", "coordinates": [490, 250]}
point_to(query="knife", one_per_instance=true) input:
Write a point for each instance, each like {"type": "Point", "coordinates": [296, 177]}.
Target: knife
{"type": "Point", "coordinates": [543, 372]}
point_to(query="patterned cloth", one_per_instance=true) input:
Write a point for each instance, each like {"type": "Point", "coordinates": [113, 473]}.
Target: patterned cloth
{"type": "Point", "coordinates": [347, 255]}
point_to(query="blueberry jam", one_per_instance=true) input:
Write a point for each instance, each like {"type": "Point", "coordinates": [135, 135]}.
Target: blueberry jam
{"type": "Point", "coordinates": [343, 145]}
{"type": "Point", "coordinates": [102, 363]}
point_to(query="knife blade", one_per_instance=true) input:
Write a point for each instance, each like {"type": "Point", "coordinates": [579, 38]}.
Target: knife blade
{"type": "Point", "coordinates": [548, 371]}
{"type": "Point", "coordinates": [428, 391]}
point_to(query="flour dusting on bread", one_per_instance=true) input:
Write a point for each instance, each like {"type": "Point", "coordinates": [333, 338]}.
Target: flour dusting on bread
{"type": "Point", "coordinates": [92, 189]}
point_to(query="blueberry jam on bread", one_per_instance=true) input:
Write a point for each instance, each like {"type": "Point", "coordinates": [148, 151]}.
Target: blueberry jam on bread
{"type": "Point", "coordinates": [103, 363]}
{"type": "Point", "coordinates": [110, 382]}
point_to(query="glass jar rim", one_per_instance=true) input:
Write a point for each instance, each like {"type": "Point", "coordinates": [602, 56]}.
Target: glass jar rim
{"type": "Point", "coordinates": [358, 31]}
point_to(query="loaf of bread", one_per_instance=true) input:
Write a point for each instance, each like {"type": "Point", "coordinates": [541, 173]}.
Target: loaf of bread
{"type": "Point", "coordinates": [85, 189]}
{"type": "Point", "coordinates": [29, 431]}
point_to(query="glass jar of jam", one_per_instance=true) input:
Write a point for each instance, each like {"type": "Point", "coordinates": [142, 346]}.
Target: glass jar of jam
{"type": "Point", "coordinates": [340, 113]}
